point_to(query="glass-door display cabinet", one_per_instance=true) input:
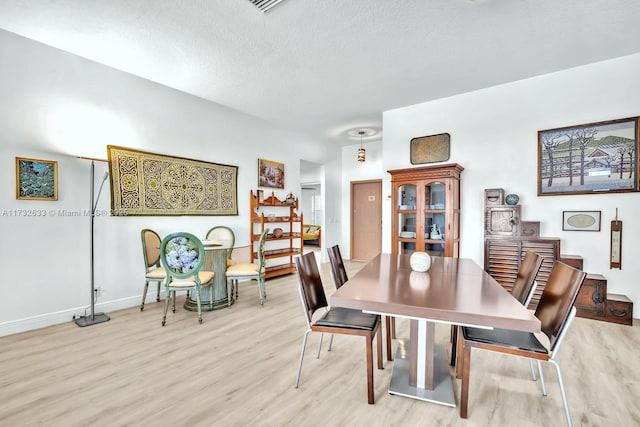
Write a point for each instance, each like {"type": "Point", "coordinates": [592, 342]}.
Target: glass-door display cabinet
{"type": "Point", "coordinates": [426, 210]}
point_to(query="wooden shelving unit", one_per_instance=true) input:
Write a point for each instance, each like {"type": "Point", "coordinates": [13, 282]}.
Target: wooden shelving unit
{"type": "Point", "coordinates": [274, 213]}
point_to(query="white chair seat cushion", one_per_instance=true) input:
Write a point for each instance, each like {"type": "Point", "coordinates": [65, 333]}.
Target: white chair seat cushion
{"type": "Point", "coordinates": [205, 278]}
{"type": "Point", "coordinates": [243, 269]}
{"type": "Point", "coordinates": [156, 273]}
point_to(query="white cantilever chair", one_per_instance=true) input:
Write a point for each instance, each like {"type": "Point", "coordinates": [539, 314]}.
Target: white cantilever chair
{"type": "Point", "coordinates": [556, 312]}
{"type": "Point", "coordinates": [339, 276]}
{"type": "Point", "coordinates": [523, 290]}
{"type": "Point", "coordinates": [335, 320]}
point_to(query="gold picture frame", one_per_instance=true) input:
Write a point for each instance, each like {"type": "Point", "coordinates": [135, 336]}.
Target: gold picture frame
{"type": "Point", "coordinates": [430, 149]}
{"type": "Point", "coordinates": [270, 174]}
{"type": "Point", "coordinates": [36, 179]}
{"type": "Point", "coordinates": [153, 184]}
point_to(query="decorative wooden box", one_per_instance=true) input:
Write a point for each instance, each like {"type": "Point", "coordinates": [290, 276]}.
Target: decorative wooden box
{"type": "Point", "coordinates": [619, 309]}
{"type": "Point", "coordinates": [592, 298]}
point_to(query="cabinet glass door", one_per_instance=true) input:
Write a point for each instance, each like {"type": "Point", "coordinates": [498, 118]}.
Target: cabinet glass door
{"type": "Point", "coordinates": [434, 218]}
{"type": "Point", "coordinates": [406, 218]}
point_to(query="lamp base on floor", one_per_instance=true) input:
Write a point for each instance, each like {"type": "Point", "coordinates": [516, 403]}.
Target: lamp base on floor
{"type": "Point", "coordinates": [89, 320]}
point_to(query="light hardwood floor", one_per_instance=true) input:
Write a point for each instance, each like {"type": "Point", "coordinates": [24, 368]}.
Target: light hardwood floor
{"type": "Point", "coordinates": [238, 368]}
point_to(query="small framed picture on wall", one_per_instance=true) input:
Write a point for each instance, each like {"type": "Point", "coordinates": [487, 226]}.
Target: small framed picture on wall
{"type": "Point", "coordinates": [581, 220]}
{"type": "Point", "coordinates": [36, 179]}
{"type": "Point", "coordinates": [270, 174]}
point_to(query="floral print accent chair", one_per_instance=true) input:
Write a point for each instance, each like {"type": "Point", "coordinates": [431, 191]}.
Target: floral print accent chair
{"type": "Point", "coordinates": [182, 255]}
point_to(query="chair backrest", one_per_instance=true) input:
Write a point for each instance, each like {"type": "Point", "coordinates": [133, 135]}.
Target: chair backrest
{"type": "Point", "coordinates": [526, 278]}
{"type": "Point", "coordinates": [338, 271]}
{"type": "Point", "coordinates": [182, 255]}
{"type": "Point", "coordinates": [310, 288]}
{"type": "Point", "coordinates": [223, 233]}
{"type": "Point", "coordinates": [260, 249]}
{"type": "Point", "coordinates": [150, 248]}
{"type": "Point", "coordinates": [557, 299]}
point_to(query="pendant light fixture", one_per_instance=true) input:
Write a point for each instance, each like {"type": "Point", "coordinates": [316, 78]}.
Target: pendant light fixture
{"type": "Point", "coordinates": [361, 151]}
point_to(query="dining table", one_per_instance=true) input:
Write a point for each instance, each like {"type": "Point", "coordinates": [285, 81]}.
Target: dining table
{"type": "Point", "coordinates": [215, 259]}
{"type": "Point", "coordinates": [453, 291]}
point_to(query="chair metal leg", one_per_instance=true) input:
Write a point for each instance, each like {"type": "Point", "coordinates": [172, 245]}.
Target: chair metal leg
{"type": "Point", "coordinates": [304, 345]}
{"type": "Point", "coordinates": [544, 389]}
{"type": "Point", "coordinates": [144, 294]}
{"type": "Point", "coordinates": [533, 371]}
{"type": "Point", "coordinates": [158, 293]}
{"type": "Point", "coordinates": [330, 342]}
{"type": "Point", "coordinates": [562, 393]}
{"type": "Point", "coordinates": [320, 345]}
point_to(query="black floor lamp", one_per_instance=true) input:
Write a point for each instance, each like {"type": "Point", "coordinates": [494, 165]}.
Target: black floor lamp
{"type": "Point", "coordinates": [94, 317]}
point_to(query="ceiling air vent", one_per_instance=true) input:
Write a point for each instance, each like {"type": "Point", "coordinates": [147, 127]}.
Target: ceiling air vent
{"type": "Point", "coordinates": [266, 5]}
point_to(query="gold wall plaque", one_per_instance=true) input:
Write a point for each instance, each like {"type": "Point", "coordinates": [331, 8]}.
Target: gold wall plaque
{"type": "Point", "coordinates": [430, 149]}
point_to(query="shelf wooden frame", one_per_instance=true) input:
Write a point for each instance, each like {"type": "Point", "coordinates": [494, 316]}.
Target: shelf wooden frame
{"type": "Point", "coordinates": [268, 212]}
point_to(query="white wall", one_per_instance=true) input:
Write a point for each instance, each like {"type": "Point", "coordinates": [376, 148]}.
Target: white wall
{"type": "Point", "coordinates": [57, 106]}
{"type": "Point", "coordinates": [494, 136]}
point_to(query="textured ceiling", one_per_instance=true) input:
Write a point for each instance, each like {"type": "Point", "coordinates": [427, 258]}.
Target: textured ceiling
{"type": "Point", "coordinates": [323, 67]}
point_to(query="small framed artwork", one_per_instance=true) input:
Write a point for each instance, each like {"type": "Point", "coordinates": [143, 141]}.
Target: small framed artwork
{"type": "Point", "coordinates": [36, 179]}
{"type": "Point", "coordinates": [270, 174]}
{"type": "Point", "coordinates": [430, 149]}
{"type": "Point", "coordinates": [593, 158]}
{"type": "Point", "coordinates": [260, 196]}
{"type": "Point", "coordinates": [581, 220]}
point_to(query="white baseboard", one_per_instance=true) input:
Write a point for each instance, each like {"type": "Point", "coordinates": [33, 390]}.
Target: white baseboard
{"type": "Point", "coordinates": [64, 316]}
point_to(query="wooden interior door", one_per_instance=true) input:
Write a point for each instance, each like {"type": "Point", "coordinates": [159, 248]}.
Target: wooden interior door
{"type": "Point", "coordinates": [366, 219]}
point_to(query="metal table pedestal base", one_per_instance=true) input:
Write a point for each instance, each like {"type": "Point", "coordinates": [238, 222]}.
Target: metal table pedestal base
{"type": "Point", "coordinates": [442, 392]}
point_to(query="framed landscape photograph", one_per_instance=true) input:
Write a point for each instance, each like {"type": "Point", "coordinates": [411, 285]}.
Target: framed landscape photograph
{"type": "Point", "coordinates": [581, 220]}
{"type": "Point", "coordinates": [270, 174]}
{"type": "Point", "coordinates": [36, 179]}
{"type": "Point", "coordinates": [589, 159]}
